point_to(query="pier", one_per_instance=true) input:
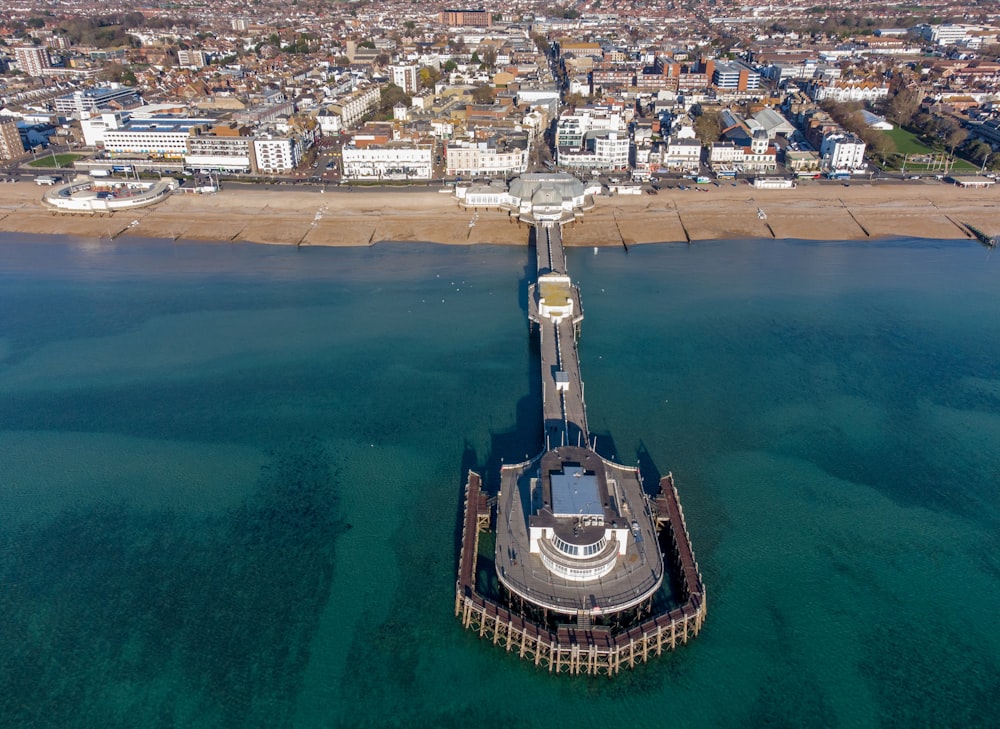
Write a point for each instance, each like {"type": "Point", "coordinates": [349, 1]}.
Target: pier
{"type": "Point", "coordinates": [583, 584]}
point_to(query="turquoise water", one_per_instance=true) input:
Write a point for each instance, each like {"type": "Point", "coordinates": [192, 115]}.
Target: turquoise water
{"type": "Point", "coordinates": [230, 478]}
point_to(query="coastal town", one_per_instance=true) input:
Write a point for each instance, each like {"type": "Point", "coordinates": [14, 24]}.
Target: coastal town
{"type": "Point", "coordinates": [630, 96]}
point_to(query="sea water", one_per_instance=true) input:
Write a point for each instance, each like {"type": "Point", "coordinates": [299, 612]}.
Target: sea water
{"type": "Point", "coordinates": [231, 476]}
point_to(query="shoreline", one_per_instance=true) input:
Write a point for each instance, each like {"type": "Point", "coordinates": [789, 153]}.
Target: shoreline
{"type": "Point", "coordinates": [811, 211]}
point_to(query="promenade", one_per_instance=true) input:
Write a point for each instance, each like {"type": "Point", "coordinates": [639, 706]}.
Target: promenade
{"type": "Point", "coordinates": [305, 216]}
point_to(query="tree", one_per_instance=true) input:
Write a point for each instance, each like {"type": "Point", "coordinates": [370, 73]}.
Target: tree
{"type": "Point", "coordinates": [542, 43]}
{"type": "Point", "coordinates": [879, 144]}
{"type": "Point", "coordinates": [390, 96]}
{"type": "Point", "coordinates": [904, 105]}
{"type": "Point", "coordinates": [955, 137]}
{"type": "Point", "coordinates": [707, 127]}
{"type": "Point", "coordinates": [382, 59]}
{"type": "Point", "coordinates": [449, 66]}
{"type": "Point", "coordinates": [482, 95]}
{"type": "Point", "coordinates": [428, 77]}
{"type": "Point", "coordinates": [490, 57]}
{"type": "Point", "coordinates": [978, 151]}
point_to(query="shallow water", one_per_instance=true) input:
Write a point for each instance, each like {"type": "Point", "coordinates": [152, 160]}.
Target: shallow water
{"type": "Point", "coordinates": [230, 479]}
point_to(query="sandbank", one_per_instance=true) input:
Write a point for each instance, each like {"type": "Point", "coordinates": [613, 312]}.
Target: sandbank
{"type": "Point", "coordinates": [304, 216]}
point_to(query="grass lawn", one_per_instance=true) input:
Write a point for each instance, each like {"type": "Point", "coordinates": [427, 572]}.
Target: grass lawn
{"type": "Point", "coordinates": [907, 143]}
{"type": "Point", "coordinates": [62, 160]}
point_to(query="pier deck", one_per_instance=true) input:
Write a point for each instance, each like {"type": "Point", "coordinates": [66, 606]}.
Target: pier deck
{"type": "Point", "coordinates": [577, 537]}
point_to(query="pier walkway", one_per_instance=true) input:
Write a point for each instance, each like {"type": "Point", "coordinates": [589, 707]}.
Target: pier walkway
{"type": "Point", "coordinates": [577, 539]}
{"type": "Point", "coordinates": [554, 306]}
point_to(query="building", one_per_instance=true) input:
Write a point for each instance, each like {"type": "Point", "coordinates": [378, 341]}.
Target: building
{"type": "Point", "coordinates": [945, 34]}
{"type": "Point", "coordinates": [734, 76]}
{"type": "Point", "coordinates": [840, 91]}
{"type": "Point", "coordinates": [33, 60]}
{"type": "Point", "coordinates": [155, 137]}
{"type": "Point", "coordinates": [499, 156]}
{"type": "Point", "coordinates": [406, 77]}
{"type": "Point", "coordinates": [842, 151]}
{"type": "Point", "coordinates": [758, 156]}
{"type": "Point", "coordinates": [391, 161]}
{"type": "Point", "coordinates": [11, 146]}
{"type": "Point", "coordinates": [347, 112]}
{"type": "Point", "coordinates": [223, 148]}
{"type": "Point", "coordinates": [602, 149]}
{"type": "Point", "coordinates": [474, 18]}
{"type": "Point", "coordinates": [191, 59]}
{"type": "Point", "coordinates": [95, 126]}
{"type": "Point", "coordinates": [682, 155]}
{"type": "Point", "coordinates": [276, 154]}
{"type": "Point", "coordinates": [574, 124]}
{"type": "Point", "coordinates": [85, 102]}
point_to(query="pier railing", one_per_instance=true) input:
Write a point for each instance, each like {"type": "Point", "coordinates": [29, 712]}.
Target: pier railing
{"type": "Point", "coordinates": [593, 650]}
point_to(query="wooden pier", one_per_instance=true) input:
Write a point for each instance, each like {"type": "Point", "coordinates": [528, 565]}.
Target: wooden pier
{"type": "Point", "coordinates": [582, 553]}
{"type": "Point", "coordinates": [571, 649]}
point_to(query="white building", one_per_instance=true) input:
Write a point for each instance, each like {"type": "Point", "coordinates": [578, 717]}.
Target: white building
{"type": "Point", "coordinates": [842, 152]}
{"type": "Point", "coordinates": [573, 125]}
{"type": "Point", "coordinates": [276, 154]}
{"type": "Point", "coordinates": [682, 155]}
{"type": "Point", "coordinates": [95, 126]}
{"type": "Point", "coordinates": [492, 158]}
{"type": "Point", "coordinates": [840, 91]}
{"type": "Point", "coordinates": [191, 58]}
{"type": "Point", "coordinates": [406, 77]}
{"type": "Point", "coordinates": [394, 161]}
{"type": "Point", "coordinates": [601, 150]}
{"type": "Point", "coordinates": [347, 112]}
{"type": "Point", "coordinates": [220, 153]}
{"type": "Point", "coordinates": [87, 101]}
{"type": "Point", "coordinates": [33, 60]}
{"type": "Point", "coordinates": [155, 137]}
{"type": "Point", "coordinates": [946, 34]}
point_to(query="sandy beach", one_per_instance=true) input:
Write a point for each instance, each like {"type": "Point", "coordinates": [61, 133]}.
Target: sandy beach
{"type": "Point", "coordinates": [926, 209]}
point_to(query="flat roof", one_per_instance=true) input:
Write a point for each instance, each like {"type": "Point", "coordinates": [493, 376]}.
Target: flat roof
{"type": "Point", "coordinates": [575, 493]}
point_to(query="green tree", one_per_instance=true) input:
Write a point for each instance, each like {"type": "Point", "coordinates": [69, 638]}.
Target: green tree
{"type": "Point", "coordinates": [390, 96]}
{"type": "Point", "coordinates": [978, 151]}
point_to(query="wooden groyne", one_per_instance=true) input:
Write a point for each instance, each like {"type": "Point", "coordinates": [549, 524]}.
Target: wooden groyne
{"type": "Point", "coordinates": [575, 650]}
{"type": "Point", "coordinates": [987, 240]}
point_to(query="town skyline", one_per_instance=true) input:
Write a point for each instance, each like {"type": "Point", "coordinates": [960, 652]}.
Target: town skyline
{"type": "Point", "coordinates": [386, 91]}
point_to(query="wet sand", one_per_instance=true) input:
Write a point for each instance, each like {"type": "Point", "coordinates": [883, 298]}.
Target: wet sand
{"type": "Point", "coordinates": [812, 211]}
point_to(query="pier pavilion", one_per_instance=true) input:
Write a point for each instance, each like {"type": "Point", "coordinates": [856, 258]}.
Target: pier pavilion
{"type": "Point", "coordinates": [577, 540]}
